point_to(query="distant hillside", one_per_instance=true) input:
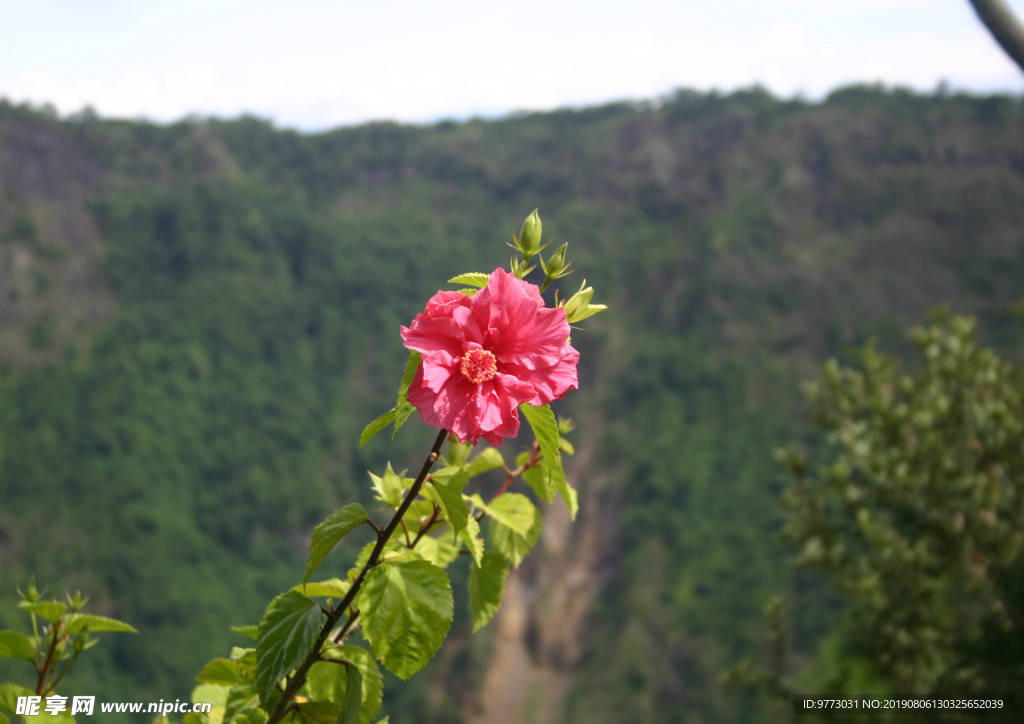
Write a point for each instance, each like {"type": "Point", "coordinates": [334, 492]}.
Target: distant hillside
{"type": "Point", "coordinates": [197, 319]}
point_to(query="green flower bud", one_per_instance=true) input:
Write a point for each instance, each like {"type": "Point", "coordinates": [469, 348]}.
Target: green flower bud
{"type": "Point", "coordinates": [530, 236]}
{"type": "Point", "coordinates": [520, 268]}
{"type": "Point", "coordinates": [557, 262]}
{"type": "Point", "coordinates": [557, 267]}
{"type": "Point", "coordinates": [77, 601]}
{"type": "Point", "coordinates": [579, 307]}
{"type": "Point", "coordinates": [31, 593]}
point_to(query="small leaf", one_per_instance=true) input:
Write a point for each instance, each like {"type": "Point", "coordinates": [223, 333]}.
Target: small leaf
{"type": "Point", "coordinates": [252, 632]}
{"type": "Point", "coordinates": [440, 551]}
{"type": "Point", "coordinates": [376, 426]}
{"type": "Point", "coordinates": [474, 279]}
{"type": "Point", "coordinates": [407, 610]}
{"type": "Point", "coordinates": [511, 544]}
{"type": "Point", "coordinates": [566, 446]}
{"type": "Point", "coordinates": [458, 452]}
{"type": "Point", "coordinates": [488, 459]}
{"type": "Point", "coordinates": [333, 588]}
{"type": "Point", "coordinates": [456, 512]}
{"type": "Point", "coordinates": [219, 671]}
{"type": "Point", "coordinates": [404, 408]}
{"type": "Point", "coordinates": [511, 509]}
{"type": "Point", "coordinates": [471, 537]}
{"type": "Point", "coordinates": [14, 645]}
{"type": "Point", "coordinates": [486, 588]}
{"type": "Point", "coordinates": [76, 622]}
{"type": "Point", "coordinates": [327, 534]}
{"type": "Point", "coordinates": [447, 474]}
{"type": "Point", "coordinates": [49, 610]}
{"type": "Point", "coordinates": [545, 429]}
{"type": "Point", "coordinates": [288, 630]}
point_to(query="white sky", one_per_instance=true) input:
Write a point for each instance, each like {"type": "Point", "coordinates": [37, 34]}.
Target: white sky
{"type": "Point", "coordinates": [317, 64]}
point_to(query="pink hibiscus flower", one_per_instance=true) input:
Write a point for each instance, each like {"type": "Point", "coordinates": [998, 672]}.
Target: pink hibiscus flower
{"type": "Point", "coordinates": [485, 355]}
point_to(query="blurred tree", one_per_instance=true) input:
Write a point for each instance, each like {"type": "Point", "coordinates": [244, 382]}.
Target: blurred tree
{"type": "Point", "coordinates": [918, 523]}
{"type": "Point", "coordinates": [1006, 29]}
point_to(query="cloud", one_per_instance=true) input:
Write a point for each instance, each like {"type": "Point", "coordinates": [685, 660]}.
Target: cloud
{"type": "Point", "coordinates": [318, 64]}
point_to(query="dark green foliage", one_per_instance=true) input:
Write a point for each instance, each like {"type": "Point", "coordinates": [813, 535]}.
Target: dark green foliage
{"type": "Point", "coordinates": [917, 523]}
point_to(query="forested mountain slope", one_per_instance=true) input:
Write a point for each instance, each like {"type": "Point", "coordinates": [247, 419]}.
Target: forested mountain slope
{"type": "Point", "coordinates": [197, 319]}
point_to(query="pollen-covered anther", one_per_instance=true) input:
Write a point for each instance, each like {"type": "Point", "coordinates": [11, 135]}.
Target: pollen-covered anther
{"type": "Point", "coordinates": [478, 365]}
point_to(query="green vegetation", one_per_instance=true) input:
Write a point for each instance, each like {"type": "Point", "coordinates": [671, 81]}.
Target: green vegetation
{"type": "Point", "coordinates": [172, 452]}
{"type": "Point", "coordinates": [917, 523]}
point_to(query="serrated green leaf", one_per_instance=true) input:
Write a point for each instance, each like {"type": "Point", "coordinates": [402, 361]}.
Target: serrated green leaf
{"type": "Point", "coordinates": [456, 512]}
{"type": "Point", "coordinates": [327, 534]}
{"type": "Point", "coordinates": [329, 681]}
{"type": "Point", "coordinates": [474, 279]}
{"type": "Point", "coordinates": [511, 509]}
{"type": "Point", "coordinates": [545, 429]}
{"type": "Point", "coordinates": [486, 588]}
{"type": "Point", "coordinates": [376, 426]}
{"type": "Point", "coordinates": [488, 459]}
{"type": "Point", "coordinates": [512, 545]}
{"type": "Point", "coordinates": [49, 610]}
{"type": "Point", "coordinates": [471, 537]}
{"type": "Point", "coordinates": [252, 632]}
{"type": "Point", "coordinates": [539, 479]}
{"type": "Point", "coordinates": [440, 551]}
{"type": "Point", "coordinates": [567, 492]}
{"type": "Point", "coordinates": [385, 720]}
{"type": "Point", "coordinates": [14, 645]}
{"type": "Point", "coordinates": [76, 622]}
{"type": "Point", "coordinates": [447, 474]}
{"type": "Point", "coordinates": [332, 588]}
{"type": "Point", "coordinates": [238, 653]}
{"type": "Point", "coordinates": [407, 609]}
{"type": "Point", "coordinates": [219, 671]}
{"type": "Point", "coordinates": [288, 630]}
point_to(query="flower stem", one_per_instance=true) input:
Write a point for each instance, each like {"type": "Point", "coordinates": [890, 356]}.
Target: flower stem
{"type": "Point", "coordinates": [299, 678]}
